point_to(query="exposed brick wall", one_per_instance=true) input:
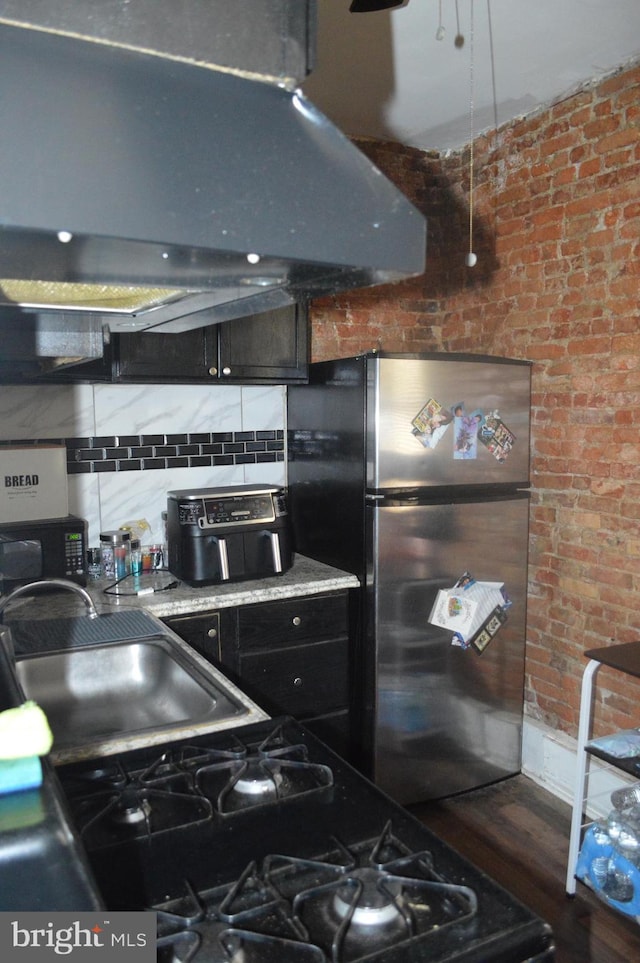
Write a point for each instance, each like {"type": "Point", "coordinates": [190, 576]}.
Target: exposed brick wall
{"type": "Point", "coordinates": [557, 234]}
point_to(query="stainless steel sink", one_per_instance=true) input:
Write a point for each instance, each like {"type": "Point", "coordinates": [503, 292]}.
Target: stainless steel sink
{"type": "Point", "coordinates": [134, 692]}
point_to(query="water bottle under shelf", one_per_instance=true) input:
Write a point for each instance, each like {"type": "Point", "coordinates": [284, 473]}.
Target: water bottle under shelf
{"type": "Point", "coordinates": [626, 797]}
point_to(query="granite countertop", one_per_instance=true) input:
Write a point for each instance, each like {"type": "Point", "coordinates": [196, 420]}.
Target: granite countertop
{"type": "Point", "coordinates": [305, 577]}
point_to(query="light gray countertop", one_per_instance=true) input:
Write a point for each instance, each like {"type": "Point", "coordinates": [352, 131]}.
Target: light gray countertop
{"type": "Point", "coordinates": [305, 577]}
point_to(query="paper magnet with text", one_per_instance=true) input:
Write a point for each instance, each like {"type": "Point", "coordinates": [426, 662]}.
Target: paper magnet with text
{"type": "Point", "coordinates": [472, 609]}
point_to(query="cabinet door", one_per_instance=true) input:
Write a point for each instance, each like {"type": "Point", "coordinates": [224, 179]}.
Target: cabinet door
{"type": "Point", "coordinates": [209, 632]}
{"type": "Point", "coordinates": [145, 356]}
{"type": "Point", "coordinates": [271, 347]}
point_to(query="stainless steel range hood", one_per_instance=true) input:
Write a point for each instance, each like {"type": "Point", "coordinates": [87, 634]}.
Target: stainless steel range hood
{"type": "Point", "coordinates": [142, 191]}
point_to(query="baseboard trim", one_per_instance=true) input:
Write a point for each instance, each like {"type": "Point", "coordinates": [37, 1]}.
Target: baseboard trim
{"type": "Point", "coordinates": [549, 758]}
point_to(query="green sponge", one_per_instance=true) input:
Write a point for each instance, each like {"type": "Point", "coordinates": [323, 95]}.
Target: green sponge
{"type": "Point", "coordinates": [24, 732]}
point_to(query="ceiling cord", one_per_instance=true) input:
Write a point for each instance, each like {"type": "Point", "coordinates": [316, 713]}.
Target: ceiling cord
{"type": "Point", "coordinates": [471, 259]}
{"type": "Point", "coordinates": [440, 32]}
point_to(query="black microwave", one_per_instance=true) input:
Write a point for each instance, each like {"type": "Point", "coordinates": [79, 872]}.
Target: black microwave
{"type": "Point", "coordinates": [49, 548]}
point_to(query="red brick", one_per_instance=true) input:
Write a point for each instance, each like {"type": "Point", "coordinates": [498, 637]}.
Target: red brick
{"type": "Point", "coordinates": [568, 302]}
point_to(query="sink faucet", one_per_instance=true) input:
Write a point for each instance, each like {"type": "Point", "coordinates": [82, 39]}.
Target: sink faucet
{"type": "Point", "coordinates": [62, 583]}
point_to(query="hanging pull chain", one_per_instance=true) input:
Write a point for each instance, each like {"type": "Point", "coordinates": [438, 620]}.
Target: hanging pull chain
{"type": "Point", "coordinates": [471, 259]}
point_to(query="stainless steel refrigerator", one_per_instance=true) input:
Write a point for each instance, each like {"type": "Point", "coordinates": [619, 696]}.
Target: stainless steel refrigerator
{"type": "Point", "coordinates": [412, 471]}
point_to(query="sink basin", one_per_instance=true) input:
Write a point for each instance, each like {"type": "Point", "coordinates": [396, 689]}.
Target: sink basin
{"type": "Point", "coordinates": [96, 694]}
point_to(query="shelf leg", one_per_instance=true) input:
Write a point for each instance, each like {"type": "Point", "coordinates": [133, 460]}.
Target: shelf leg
{"type": "Point", "coordinates": [581, 773]}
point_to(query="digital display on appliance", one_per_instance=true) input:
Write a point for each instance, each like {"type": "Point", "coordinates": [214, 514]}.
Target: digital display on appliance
{"type": "Point", "coordinates": [239, 509]}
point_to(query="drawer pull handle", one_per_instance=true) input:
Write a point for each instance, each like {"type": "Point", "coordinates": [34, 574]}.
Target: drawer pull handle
{"type": "Point", "coordinates": [296, 620]}
{"type": "Point", "coordinates": [212, 633]}
{"type": "Point", "coordinates": [297, 680]}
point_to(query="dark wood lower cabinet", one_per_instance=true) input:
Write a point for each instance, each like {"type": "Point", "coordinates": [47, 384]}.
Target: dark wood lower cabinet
{"type": "Point", "coordinates": [291, 656]}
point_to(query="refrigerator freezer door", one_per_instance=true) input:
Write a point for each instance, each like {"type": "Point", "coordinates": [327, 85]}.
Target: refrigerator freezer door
{"type": "Point", "coordinates": [445, 719]}
{"type": "Point", "coordinates": [445, 422]}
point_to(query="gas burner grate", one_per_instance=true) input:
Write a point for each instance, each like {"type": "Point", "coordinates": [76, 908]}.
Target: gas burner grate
{"type": "Point", "coordinates": [119, 799]}
{"type": "Point", "coordinates": [236, 776]}
{"type": "Point", "coordinates": [134, 812]}
{"type": "Point", "coordinates": [348, 905]}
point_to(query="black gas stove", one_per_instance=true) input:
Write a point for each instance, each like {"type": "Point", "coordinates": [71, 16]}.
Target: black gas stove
{"type": "Point", "coordinates": [262, 846]}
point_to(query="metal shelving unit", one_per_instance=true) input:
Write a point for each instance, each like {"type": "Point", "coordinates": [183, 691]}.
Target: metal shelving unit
{"type": "Point", "coordinates": [624, 658]}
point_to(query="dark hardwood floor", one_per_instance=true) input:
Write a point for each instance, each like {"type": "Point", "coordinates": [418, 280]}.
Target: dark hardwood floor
{"type": "Point", "coordinates": [518, 833]}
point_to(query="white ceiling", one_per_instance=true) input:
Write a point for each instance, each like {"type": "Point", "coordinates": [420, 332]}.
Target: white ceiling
{"type": "Point", "coordinates": [385, 75]}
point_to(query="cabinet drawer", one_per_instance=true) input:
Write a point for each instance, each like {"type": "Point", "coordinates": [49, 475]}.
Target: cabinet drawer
{"type": "Point", "coordinates": [292, 621]}
{"type": "Point", "coordinates": [306, 681]}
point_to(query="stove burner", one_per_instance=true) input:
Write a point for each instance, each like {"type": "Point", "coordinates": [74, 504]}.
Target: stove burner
{"type": "Point", "coordinates": [131, 808]}
{"type": "Point", "coordinates": [342, 908]}
{"type": "Point", "coordinates": [256, 780]}
{"type": "Point", "coordinates": [366, 900]}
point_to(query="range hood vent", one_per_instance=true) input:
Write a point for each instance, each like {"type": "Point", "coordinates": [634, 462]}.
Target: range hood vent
{"type": "Point", "coordinates": [142, 191]}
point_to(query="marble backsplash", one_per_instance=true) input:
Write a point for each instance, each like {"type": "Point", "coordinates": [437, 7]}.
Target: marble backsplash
{"type": "Point", "coordinates": [108, 499]}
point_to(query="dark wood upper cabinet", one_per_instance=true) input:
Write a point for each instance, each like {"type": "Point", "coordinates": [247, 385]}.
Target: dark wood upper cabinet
{"type": "Point", "coordinates": [267, 348]}
{"type": "Point", "coordinates": [162, 357]}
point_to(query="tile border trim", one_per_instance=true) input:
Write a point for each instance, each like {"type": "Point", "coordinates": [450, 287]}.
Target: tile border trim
{"type": "Point", "coordinates": [152, 452]}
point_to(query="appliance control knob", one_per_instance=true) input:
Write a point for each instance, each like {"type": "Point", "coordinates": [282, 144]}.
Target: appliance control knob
{"type": "Point", "coordinates": [297, 680]}
{"type": "Point", "coordinates": [212, 633]}
{"type": "Point", "coordinates": [226, 371]}
{"type": "Point", "coordinates": [296, 620]}
{"type": "Point", "coordinates": [213, 371]}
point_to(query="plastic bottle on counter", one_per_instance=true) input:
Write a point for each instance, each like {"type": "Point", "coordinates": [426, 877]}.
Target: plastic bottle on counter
{"type": "Point", "coordinates": [115, 549]}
